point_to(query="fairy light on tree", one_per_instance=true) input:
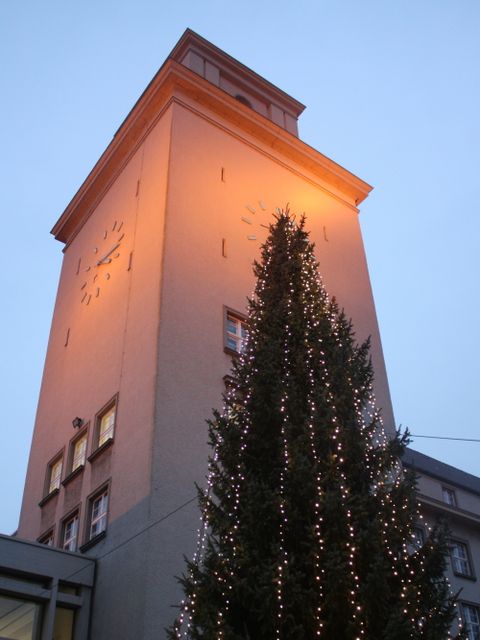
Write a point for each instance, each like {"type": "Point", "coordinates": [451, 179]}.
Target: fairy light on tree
{"type": "Point", "coordinates": [307, 519]}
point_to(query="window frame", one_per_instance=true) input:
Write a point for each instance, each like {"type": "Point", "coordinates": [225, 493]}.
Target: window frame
{"type": "Point", "coordinates": [48, 491]}
{"type": "Point", "coordinates": [47, 535]}
{"type": "Point", "coordinates": [418, 538]}
{"type": "Point", "coordinates": [96, 446]}
{"type": "Point", "coordinates": [73, 515]}
{"type": "Point", "coordinates": [466, 624]}
{"type": "Point", "coordinates": [449, 491]}
{"type": "Point", "coordinates": [90, 540]}
{"type": "Point", "coordinates": [467, 559]}
{"type": "Point", "coordinates": [242, 319]}
{"type": "Point", "coordinates": [73, 472]}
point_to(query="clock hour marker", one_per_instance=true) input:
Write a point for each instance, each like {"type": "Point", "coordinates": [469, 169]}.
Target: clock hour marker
{"type": "Point", "coordinates": [224, 247]}
{"type": "Point", "coordinates": [121, 237]}
{"type": "Point", "coordinates": [83, 285]}
{"type": "Point", "coordinates": [114, 225]}
{"type": "Point", "coordinates": [89, 298]}
{"type": "Point", "coordinates": [250, 208]}
{"type": "Point", "coordinates": [325, 234]}
{"type": "Point", "coordinates": [67, 338]}
{"type": "Point", "coordinates": [78, 265]}
{"type": "Point", "coordinates": [88, 269]}
{"type": "Point", "coordinates": [98, 292]}
{"type": "Point", "coordinates": [107, 276]}
{"type": "Point", "coordinates": [105, 234]}
{"type": "Point", "coordinates": [120, 227]}
{"type": "Point", "coordinates": [265, 226]}
{"type": "Point", "coordinates": [117, 255]}
{"type": "Point", "coordinates": [84, 295]}
{"type": "Point", "coordinates": [96, 276]}
{"type": "Point", "coordinates": [251, 237]}
{"type": "Point", "coordinates": [247, 220]}
{"type": "Point", "coordinates": [262, 204]}
{"type": "Point", "coordinates": [130, 261]}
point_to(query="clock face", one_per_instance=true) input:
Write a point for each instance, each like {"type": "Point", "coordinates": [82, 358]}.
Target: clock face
{"type": "Point", "coordinates": [258, 219]}
{"type": "Point", "coordinates": [96, 268]}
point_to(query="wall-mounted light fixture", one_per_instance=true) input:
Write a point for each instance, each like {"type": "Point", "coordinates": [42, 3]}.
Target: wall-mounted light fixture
{"type": "Point", "coordinates": [77, 423]}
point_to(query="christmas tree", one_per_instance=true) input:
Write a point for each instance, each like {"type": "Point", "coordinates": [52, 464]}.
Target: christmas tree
{"type": "Point", "coordinates": [308, 518]}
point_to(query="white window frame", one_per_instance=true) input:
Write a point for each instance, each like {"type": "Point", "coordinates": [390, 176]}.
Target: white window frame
{"type": "Point", "coordinates": [471, 620]}
{"type": "Point", "coordinates": [460, 558]}
{"type": "Point", "coordinates": [234, 340]}
{"type": "Point", "coordinates": [48, 539]}
{"type": "Point", "coordinates": [55, 469]}
{"type": "Point", "coordinates": [102, 499]}
{"type": "Point", "coordinates": [70, 536]}
{"type": "Point", "coordinates": [105, 423]}
{"type": "Point", "coordinates": [79, 457]}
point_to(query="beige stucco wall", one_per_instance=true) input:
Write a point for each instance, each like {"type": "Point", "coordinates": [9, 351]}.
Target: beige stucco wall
{"type": "Point", "coordinates": [202, 210]}
{"type": "Point", "coordinates": [155, 337]}
{"type": "Point", "coordinates": [111, 346]}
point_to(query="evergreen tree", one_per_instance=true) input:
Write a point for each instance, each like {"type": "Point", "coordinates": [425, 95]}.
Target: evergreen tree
{"type": "Point", "coordinates": [307, 518]}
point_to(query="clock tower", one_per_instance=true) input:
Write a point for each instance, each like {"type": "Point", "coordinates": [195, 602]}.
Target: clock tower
{"type": "Point", "coordinates": [159, 243]}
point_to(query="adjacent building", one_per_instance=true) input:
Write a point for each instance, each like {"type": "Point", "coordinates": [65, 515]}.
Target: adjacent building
{"type": "Point", "coordinates": [45, 593]}
{"type": "Point", "coordinates": [158, 247]}
{"type": "Point", "coordinates": [451, 495]}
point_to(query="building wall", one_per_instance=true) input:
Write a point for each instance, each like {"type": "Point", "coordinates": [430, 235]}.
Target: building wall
{"type": "Point", "coordinates": [111, 344]}
{"type": "Point", "coordinates": [198, 181]}
{"type": "Point", "coordinates": [462, 518]}
{"type": "Point", "coordinates": [202, 210]}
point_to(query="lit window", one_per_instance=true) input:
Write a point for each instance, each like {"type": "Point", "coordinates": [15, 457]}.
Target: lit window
{"type": "Point", "coordinates": [98, 515]}
{"type": "Point", "coordinates": [460, 558]}
{"type": "Point", "coordinates": [79, 451]}
{"type": "Point", "coordinates": [106, 425]}
{"type": "Point", "coordinates": [54, 475]}
{"type": "Point", "coordinates": [449, 497]}
{"type": "Point", "coordinates": [70, 533]}
{"type": "Point", "coordinates": [235, 332]}
{"type": "Point", "coordinates": [472, 621]}
{"type": "Point", "coordinates": [20, 618]}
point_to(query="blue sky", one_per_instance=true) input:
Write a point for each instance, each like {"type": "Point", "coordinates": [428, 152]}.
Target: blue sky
{"type": "Point", "coordinates": [392, 93]}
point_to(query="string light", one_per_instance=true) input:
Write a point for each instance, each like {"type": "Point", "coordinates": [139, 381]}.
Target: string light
{"type": "Point", "coordinates": [345, 444]}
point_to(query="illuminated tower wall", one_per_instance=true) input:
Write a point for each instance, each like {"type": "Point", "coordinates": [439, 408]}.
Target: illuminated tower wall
{"type": "Point", "coordinates": [159, 244]}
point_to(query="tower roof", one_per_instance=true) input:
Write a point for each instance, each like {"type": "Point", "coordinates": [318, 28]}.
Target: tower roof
{"type": "Point", "coordinates": [199, 72]}
{"type": "Point", "coordinates": [236, 79]}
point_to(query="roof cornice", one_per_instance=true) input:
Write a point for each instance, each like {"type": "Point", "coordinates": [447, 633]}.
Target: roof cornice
{"type": "Point", "coordinates": [191, 41]}
{"type": "Point", "coordinates": [173, 81]}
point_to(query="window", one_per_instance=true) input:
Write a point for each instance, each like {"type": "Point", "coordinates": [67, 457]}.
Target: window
{"type": "Point", "coordinates": [70, 533]}
{"type": "Point", "coordinates": [243, 100]}
{"type": "Point", "coordinates": [460, 558]}
{"type": "Point", "coordinates": [98, 514]}
{"type": "Point", "coordinates": [418, 538]}
{"type": "Point", "coordinates": [449, 496]}
{"type": "Point", "coordinates": [54, 475]}
{"type": "Point", "coordinates": [47, 539]}
{"type": "Point", "coordinates": [106, 424]}
{"type": "Point", "coordinates": [235, 331]}
{"type": "Point", "coordinates": [20, 619]}
{"type": "Point", "coordinates": [471, 620]}
{"type": "Point", "coordinates": [78, 452]}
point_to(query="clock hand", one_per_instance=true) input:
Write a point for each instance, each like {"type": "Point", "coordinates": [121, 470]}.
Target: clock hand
{"type": "Point", "coordinates": [103, 260]}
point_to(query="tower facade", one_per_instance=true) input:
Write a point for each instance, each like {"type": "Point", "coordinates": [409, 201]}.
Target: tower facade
{"type": "Point", "coordinates": [159, 243]}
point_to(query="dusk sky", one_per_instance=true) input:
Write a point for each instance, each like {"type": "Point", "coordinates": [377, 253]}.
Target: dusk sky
{"type": "Point", "coordinates": [393, 94]}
